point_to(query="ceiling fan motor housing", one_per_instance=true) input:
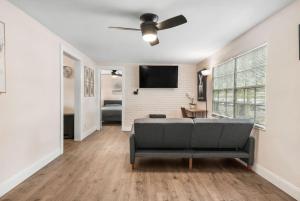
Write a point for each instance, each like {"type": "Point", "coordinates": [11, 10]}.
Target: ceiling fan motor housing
{"type": "Point", "coordinates": [149, 17]}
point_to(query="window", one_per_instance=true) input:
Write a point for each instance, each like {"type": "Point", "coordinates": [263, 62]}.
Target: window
{"type": "Point", "coordinates": [224, 89]}
{"type": "Point", "coordinates": [239, 87]}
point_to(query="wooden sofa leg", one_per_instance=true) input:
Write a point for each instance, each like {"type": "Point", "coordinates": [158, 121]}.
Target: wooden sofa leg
{"type": "Point", "coordinates": [190, 163]}
{"type": "Point", "coordinates": [132, 166]}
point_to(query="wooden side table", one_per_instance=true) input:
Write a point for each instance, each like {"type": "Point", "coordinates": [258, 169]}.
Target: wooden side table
{"type": "Point", "coordinates": [197, 112]}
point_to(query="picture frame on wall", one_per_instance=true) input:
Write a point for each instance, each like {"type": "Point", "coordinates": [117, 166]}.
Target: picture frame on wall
{"type": "Point", "coordinates": [201, 86]}
{"type": "Point", "coordinates": [89, 82]}
{"type": "Point", "coordinates": [85, 82]}
{"type": "Point", "coordinates": [92, 83]}
{"type": "Point", "coordinates": [2, 59]}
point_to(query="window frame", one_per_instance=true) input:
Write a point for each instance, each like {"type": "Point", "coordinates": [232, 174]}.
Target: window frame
{"type": "Point", "coordinates": [215, 114]}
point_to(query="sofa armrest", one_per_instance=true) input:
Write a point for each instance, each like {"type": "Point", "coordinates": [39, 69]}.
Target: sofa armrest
{"type": "Point", "coordinates": [132, 148]}
{"type": "Point", "coordinates": [250, 148]}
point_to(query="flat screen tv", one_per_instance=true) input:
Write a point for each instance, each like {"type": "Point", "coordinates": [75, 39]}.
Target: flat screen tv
{"type": "Point", "coordinates": [158, 76]}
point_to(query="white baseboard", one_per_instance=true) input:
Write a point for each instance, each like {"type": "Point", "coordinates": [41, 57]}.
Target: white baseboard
{"type": "Point", "coordinates": [278, 181]}
{"type": "Point", "coordinates": [126, 129]}
{"type": "Point", "coordinates": [18, 178]}
{"type": "Point", "coordinates": [89, 132]}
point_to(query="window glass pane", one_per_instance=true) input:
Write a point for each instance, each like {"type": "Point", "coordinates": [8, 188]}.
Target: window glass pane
{"type": "Point", "coordinates": [216, 83]}
{"type": "Point", "coordinates": [250, 78]}
{"type": "Point", "coordinates": [260, 96]}
{"type": "Point", "coordinates": [260, 115]}
{"type": "Point", "coordinates": [216, 107]}
{"type": "Point", "coordinates": [240, 110]}
{"type": "Point", "coordinates": [240, 96]}
{"type": "Point", "coordinates": [250, 96]}
{"type": "Point", "coordinates": [241, 79]}
{"type": "Point", "coordinates": [245, 111]}
{"type": "Point", "coordinates": [229, 67]}
{"type": "Point", "coordinates": [229, 111]}
{"type": "Point", "coordinates": [220, 82]}
{"type": "Point", "coordinates": [216, 72]}
{"type": "Point", "coordinates": [223, 77]}
{"type": "Point", "coordinates": [222, 109]}
{"type": "Point", "coordinates": [260, 75]}
{"type": "Point", "coordinates": [216, 96]}
{"type": "Point", "coordinates": [220, 71]}
{"type": "Point", "coordinates": [222, 96]}
{"type": "Point", "coordinates": [249, 112]}
{"type": "Point", "coordinates": [260, 57]}
{"type": "Point", "coordinates": [229, 80]}
{"type": "Point", "coordinates": [230, 96]}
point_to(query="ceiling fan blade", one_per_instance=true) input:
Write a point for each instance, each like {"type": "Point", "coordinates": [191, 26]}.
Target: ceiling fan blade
{"type": "Point", "coordinates": [172, 22]}
{"type": "Point", "coordinates": [125, 28]}
{"type": "Point", "coordinates": [154, 42]}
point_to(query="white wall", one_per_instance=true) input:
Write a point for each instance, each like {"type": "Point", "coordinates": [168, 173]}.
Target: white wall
{"type": "Point", "coordinates": [30, 110]}
{"type": "Point", "coordinates": [149, 101]}
{"type": "Point", "coordinates": [107, 83]}
{"type": "Point", "coordinates": [69, 86]}
{"type": "Point", "coordinates": [278, 148]}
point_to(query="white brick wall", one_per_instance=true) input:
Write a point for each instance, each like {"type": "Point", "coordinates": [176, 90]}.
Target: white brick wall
{"type": "Point", "coordinates": [162, 101]}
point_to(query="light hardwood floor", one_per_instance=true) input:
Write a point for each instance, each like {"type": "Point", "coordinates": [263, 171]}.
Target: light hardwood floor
{"type": "Point", "coordinates": [98, 169]}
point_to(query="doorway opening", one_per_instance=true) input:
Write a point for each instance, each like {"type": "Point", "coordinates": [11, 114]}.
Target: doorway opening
{"type": "Point", "coordinates": [111, 97]}
{"type": "Point", "coordinates": [70, 99]}
{"type": "Point", "coordinates": [69, 96]}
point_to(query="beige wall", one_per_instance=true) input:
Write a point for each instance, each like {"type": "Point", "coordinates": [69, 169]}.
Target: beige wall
{"type": "Point", "coordinates": [30, 110]}
{"type": "Point", "coordinates": [107, 83]}
{"type": "Point", "coordinates": [278, 148]}
{"type": "Point", "coordinates": [149, 101]}
{"type": "Point", "coordinates": [69, 86]}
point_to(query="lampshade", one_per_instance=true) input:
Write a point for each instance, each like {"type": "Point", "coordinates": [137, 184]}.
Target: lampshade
{"type": "Point", "coordinates": [206, 72]}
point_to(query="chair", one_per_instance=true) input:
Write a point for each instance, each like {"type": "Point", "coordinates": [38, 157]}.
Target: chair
{"type": "Point", "coordinates": [185, 113]}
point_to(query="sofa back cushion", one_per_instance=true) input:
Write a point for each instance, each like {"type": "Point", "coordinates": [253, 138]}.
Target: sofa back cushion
{"type": "Point", "coordinates": [235, 133]}
{"type": "Point", "coordinates": [163, 133]}
{"type": "Point", "coordinates": [221, 133]}
{"type": "Point", "coordinates": [206, 133]}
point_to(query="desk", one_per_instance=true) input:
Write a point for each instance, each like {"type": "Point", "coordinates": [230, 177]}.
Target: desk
{"type": "Point", "coordinates": [196, 112]}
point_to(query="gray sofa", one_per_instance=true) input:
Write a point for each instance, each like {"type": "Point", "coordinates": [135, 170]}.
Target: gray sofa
{"type": "Point", "coordinates": [192, 138]}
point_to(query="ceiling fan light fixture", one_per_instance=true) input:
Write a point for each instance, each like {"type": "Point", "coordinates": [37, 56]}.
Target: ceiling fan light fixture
{"type": "Point", "coordinates": [150, 37]}
{"type": "Point", "coordinates": [149, 31]}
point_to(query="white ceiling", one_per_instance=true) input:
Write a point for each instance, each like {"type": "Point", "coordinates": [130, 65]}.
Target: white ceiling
{"type": "Point", "coordinates": [211, 25]}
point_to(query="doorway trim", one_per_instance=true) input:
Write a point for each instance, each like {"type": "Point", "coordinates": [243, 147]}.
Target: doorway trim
{"type": "Point", "coordinates": [99, 85]}
{"type": "Point", "coordinates": [77, 96]}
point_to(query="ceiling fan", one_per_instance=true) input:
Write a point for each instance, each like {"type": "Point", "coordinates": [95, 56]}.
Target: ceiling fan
{"type": "Point", "coordinates": [116, 73]}
{"type": "Point", "coordinates": [150, 26]}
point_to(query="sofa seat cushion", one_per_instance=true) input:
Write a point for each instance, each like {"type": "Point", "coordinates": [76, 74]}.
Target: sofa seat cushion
{"type": "Point", "coordinates": [162, 153]}
{"type": "Point", "coordinates": [219, 154]}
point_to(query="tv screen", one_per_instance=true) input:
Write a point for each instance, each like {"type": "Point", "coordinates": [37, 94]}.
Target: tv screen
{"type": "Point", "coordinates": [158, 76]}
